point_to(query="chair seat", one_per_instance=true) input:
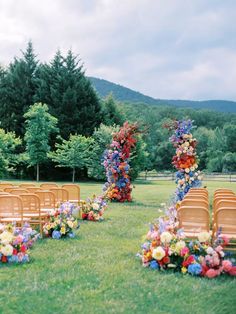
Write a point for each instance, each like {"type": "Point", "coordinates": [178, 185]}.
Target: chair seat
{"type": "Point", "coordinates": [9, 219]}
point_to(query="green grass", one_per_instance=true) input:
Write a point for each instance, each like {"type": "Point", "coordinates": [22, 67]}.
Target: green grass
{"type": "Point", "coordinates": [98, 272]}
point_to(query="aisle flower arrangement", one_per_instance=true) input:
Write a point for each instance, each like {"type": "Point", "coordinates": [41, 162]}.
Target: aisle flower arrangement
{"type": "Point", "coordinates": [185, 159]}
{"type": "Point", "coordinates": [116, 163]}
{"type": "Point", "coordinates": [165, 246]}
{"type": "Point", "coordinates": [61, 222]}
{"type": "Point", "coordinates": [93, 209]}
{"type": "Point", "coordinates": [15, 243]}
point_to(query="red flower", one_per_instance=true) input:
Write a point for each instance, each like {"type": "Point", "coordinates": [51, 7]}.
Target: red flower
{"type": "Point", "coordinates": [166, 260]}
{"type": "Point", "coordinates": [4, 259]}
{"type": "Point", "coordinates": [188, 261]}
{"type": "Point", "coordinates": [14, 252]}
{"type": "Point", "coordinates": [84, 216]}
{"type": "Point", "coordinates": [23, 249]}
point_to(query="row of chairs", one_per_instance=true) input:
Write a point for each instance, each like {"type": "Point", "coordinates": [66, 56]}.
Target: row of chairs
{"type": "Point", "coordinates": [224, 214]}
{"type": "Point", "coordinates": [194, 215]}
{"type": "Point", "coordinates": [32, 203]}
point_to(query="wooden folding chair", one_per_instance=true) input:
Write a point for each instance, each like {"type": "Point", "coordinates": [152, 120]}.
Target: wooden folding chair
{"type": "Point", "coordinates": [6, 185]}
{"type": "Point", "coordinates": [11, 210]}
{"type": "Point", "coordinates": [198, 190]}
{"type": "Point", "coordinates": [61, 195]}
{"type": "Point", "coordinates": [18, 191]}
{"type": "Point", "coordinates": [74, 192]}
{"type": "Point", "coordinates": [193, 220]}
{"type": "Point", "coordinates": [33, 189]}
{"type": "Point", "coordinates": [32, 210]}
{"type": "Point", "coordinates": [48, 186]}
{"type": "Point", "coordinates": [47, 200]}
{"type": "Point", "coordinates": [225, 221]}
{"type": "Point", "coordinates": [222, 198]}
{"type": "Point", "coordinates": [194, 202]}
{"type": "Point", "coordinates": [26, 185]}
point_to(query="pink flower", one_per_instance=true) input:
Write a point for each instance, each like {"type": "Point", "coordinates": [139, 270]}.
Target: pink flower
{"type": "Point", "coordinates": [211, 273]}
{"type": "Point", "coordinates": [232, 272]}
{"type": "Point", "coordinates": [219, 248]}
{"type": "Point", "coordinates": [227, 265]}
{"type": "Point", "coordinates": [215, 260]}
{"type": "Point", "coordinates": [184, 251]}
{"type": "Point", "coordinates": [154, 235]}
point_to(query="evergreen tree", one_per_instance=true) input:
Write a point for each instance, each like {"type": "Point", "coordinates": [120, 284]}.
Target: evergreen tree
{"type": "Point", "coordinates": [111, 114]}
{"type": "Point", "coordinates": [17, 89]}
{"type": "Point", "coordinates": [39, 125]}
{"type": "Point", "coordinates": [69, 95]}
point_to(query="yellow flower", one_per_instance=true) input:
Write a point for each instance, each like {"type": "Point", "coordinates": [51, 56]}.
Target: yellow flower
{"type": "Point", "coordinates": [158, 253]}
{"type": "Point", "coordinates": [184, 270]}
{"type": "Point", "coordinates": [6, 237]}
{"type": "Point", "coordinates": [63, 230]}
{"type": "Point", "coordinates": [179, 245]}
{"type": "Point", "coordinates": [204, 236]}
{"type": "Point", "coordinates": [166, 237]}
{"type": "Point", "coordinates": [7, 250]}
{"type": "Point", "coordinates": [70, 223]}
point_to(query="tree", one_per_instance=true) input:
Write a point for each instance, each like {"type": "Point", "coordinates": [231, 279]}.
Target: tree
{"type": "Point", "coordinates": [73, 153]}
{"type": "Point", "coordinates": [111, 113]}
{"type": "Point", "coordinates": [229, 162]}
{"type": "Point", "coordinates": [39, 126]}
{"type": "Point", "coordinates": [8, 156]}
{"type": "Point", "coordinates": [69, 95]}
{"type": "Point", "coordinates": [102, 139]}
{"type": "Point", "coordinates": [17, 89]}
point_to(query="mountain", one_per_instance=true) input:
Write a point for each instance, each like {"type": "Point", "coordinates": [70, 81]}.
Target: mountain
{"type": "Point", "coordinates": [124, 94]}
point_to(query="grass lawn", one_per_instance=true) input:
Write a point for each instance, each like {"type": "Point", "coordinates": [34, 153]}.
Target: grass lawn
{"type": "Point", "coordinates": [98, 272]}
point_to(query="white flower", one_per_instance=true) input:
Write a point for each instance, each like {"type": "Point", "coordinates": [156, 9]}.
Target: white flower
{"type": "Point", "coordinates": [7, 250]}
{"type": "Point", "coordinates": [179, 245]}
{"type": "Point", "coordinates": [210, 250]}
{"type": "Point", "coordinates": [166, 237]}
{"type": "Point", "coordinates": [204, 236]}
{"type": "Point", "coordinates": [158, 253]}
{"type": "Point", "coordinates": [95, 206]}
{"type": "Point", "coordinates": [6, 237]}
{"type": "Point", "coordinates": [70, 223]}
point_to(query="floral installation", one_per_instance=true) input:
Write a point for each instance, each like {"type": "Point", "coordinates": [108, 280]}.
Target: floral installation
{"type": "Point", "coordinates": [170, 250]}
{"type": "Point", "coordinates": [94, 208]}
{"type": "Point", "coordinates": [185, 159]}
{"type": "Point", "coordinates": [116, 162]}
{"type": "Point", "coordinates": [15, 243]}
{"type": "Point", "coordinates": [62, 222]}
{"type": "Point", "coordinates": [165, 246]}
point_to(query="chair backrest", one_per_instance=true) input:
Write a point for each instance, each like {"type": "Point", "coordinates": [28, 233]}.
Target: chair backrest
{"type": "Point", "coordinates": [196, 196]}
{"type": "Point", "coordinates": [73, 190]}
{"type": "Point", "coordinates": [26, 185]}
{"type": "Point", "coordinates": [6, 185]}
{"type": "Point", "coordinates": [33, 189]}
{"type": "Point", "coordinates": [222, 198]}
{"type": "Point", "coordinates": [222, 190]}
{"type": "Point", "coordinates": [194, 202]}
{"type": "Point", "coordinates": [4, 193]}
{"type": "Point", "coordinates": [11, 207]}
{"type": "Point", "coordinates": [18, 191]}
{"type": "Point", "coordinates": [224, 194]}
{"type": "Point", "coordinates": [61, 195]}
{"type": "Point", "coordinates": [47, 199]}
{"type": "Point", "coordinates": [225, 203]}
{"type": "Point", "coordinates": [198, 190]}
{"type": "Point", "coordinates": [31, 203]}
{"type": "Point", "coordinates": [225, 220]}
{"type": "Point", "coordinates": [48, 186]}
{"type": "Point", "coordinates": [194, 219]}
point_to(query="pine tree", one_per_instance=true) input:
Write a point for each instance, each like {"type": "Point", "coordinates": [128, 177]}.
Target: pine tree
{"type": "Point", "coordinates": [69, 95]}
{"type": "Point", "coordinates": [17, 89]}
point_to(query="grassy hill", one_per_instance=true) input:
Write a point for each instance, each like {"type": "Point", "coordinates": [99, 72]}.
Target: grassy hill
{"type": "Point", "coordinates": [122, 93]}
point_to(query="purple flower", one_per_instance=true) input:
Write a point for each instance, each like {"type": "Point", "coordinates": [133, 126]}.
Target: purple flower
{"type": "Point", "coordinates": [195, 269]}
{"type": "Point", "coordinates": [56, 234]}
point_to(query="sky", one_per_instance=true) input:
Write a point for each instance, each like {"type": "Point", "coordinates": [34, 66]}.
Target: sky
{"type": "Point", "coordinates": [169, 49]}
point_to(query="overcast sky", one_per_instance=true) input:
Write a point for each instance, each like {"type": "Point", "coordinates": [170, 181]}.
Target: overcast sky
{"type": "Point", "coordinates": [176, 49]}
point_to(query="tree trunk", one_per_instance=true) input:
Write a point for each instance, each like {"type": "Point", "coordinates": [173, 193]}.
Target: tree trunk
{"type": "Point", "coordinates": [37, 167]}
{"type": "Point", "coordinates": [73, 175]}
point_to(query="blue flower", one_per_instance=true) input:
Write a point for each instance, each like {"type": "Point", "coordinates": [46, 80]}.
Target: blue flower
{"type": "Point", "coordinates": [195, 269]}
{"type": "Point", "coordinates": [71, 235]}
{"type": "Point", "coordinates": [154, 265]}
{"type": "Point", "coordinates": [56, 234]}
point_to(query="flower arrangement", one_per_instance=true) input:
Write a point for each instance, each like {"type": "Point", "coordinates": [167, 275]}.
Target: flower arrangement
{"type": "Point", "coordinates": [116, 163]}
{"type": "Point", "coordinates": [61, 222]}
{"type": "Point", "coordinates": [169, 250]}
{"type": "Point", "coordinates": [15, 243]}
{"type": "Point", "coordinates": [94, 208]}
{"type": "Point", "coordinates": [185, 159]}
{"type": "Point", "coordinates": [165, 246]}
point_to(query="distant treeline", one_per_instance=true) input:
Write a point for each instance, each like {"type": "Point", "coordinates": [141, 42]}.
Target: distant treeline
{"type": "Point", "coordinates": [71, 99]}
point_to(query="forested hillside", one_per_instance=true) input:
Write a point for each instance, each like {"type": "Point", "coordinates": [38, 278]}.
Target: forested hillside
{"type": "Point", "coordinates": [53, 123]}
{"type": "Point", "coordinates": [122, 93]}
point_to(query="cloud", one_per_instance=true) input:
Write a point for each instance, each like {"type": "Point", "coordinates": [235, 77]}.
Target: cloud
{"type": "Point", "coordinates": [165, 49]}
